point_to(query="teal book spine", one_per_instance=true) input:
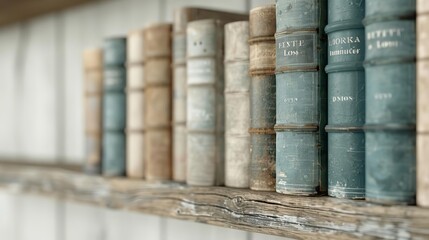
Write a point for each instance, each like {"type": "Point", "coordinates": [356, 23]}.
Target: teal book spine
{"type": "Point", "coordinates": [114, 107]}
{"type": "Point", "coordinates": [390, 72]}
{"type": "Point", "coordinates": [346, 99]}
{"type": "Point", "coordinates": [301, 97]}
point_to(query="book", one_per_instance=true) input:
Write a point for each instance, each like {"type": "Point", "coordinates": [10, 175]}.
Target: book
{"type": "Point", "coordinates": [301, 103]}
{"type": "Point", "coordinates": [205, 103]}
{"type": "Point", "coordinates": [114, 105]}
{"type": "Point", "coordinates": [422, 103]}
{"type": "Point", "coordinates": [262, 169]}
{"type": "Point", "coordinates": [346, 99]}
{"type": "Point", "coordinates": [181, 18]}
{"type": "Point", "coordinates": [157, 101]}
{"type": "Point", "coordinates": [93, 85]}
{"type": "Point", "coordinates": [390, 72]}
{"type": "Point", "coordinates": [135, 105]}
{"type": "Point", "coordinates": [237, 104]}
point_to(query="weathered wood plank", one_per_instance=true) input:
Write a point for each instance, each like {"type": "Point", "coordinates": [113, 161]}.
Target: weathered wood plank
{"type": "Point", "coordinates": [263, 212]}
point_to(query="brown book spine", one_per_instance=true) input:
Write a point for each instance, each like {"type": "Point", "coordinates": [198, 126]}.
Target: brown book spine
{"type": "Point", "coordinates": [135, 101]}
{"type": "Point", "coordinates": [262, 27]}
{"type": "Point", "coordinates": [181, 18]}
{"type": "Point", "coordinates": [423, 103]}
{"type": "Point", "coordinates": [237, 105]}
{"type": "Point", "coordinates": [93, 84]}
{"type": "Point", "coordinates": [157, 101]}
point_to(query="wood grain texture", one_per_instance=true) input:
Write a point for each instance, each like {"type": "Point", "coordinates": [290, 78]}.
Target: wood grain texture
{"type": "Point", "coordinates": [263, 212]}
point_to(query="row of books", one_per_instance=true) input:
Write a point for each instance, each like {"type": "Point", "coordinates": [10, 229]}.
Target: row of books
{"type": "Point", "coordinates": [302, 97]}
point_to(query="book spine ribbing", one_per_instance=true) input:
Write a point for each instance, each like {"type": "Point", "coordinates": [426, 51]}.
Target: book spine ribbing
{"type": "Point", "coordinates": [422, 103]}
{"type": "Point", "coordinates": [157, 101]}
{"type": "Point", "coordinates": [135, 101]}
{"type": "Point", "coordinates": [237, 105]}
{"type": "Point", "coordinates": [93, 82]}
{"type": "Point", "coordinates": [262, 169]}
{"type": "Point", "coordinates": [114, 105]}
{"type": "Point", "coordinates": [390, 73]}
{"type": "Point", "coordinates": [205, 103]}
{"type": "Point", "coordinates": [301, 97]}
{"type": "Point", "coordinates": [346, 99]}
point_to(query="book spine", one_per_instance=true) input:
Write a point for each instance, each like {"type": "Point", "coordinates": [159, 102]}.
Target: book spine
{"type": "Point", "coordinates": [205, 105]}
{"type": "Point", "coordinates": [301, 97]}
{"type": "Point", "coordinates": [181, 18]}
{"type": "Point", "coordinates": [262, 173]}
{"type": "Point", "coordinates": [114, 105]}
{"type": "Point", "coordinates": [422, 102]}
{"type": "Point", "coordinates": [157, 101]}
{"type": "Point", "coordinates": [346, 99]}
{"type": "Point", "coordinates": [390, 73]}
{"type": "Point", "coordinates": [179, 105]}
{"type": "Point", "coordinates": [93, 82]}
{"type": "Point", "coordinates": [237, 105]}
{"type": "Point", "coordinates": [135, 103]}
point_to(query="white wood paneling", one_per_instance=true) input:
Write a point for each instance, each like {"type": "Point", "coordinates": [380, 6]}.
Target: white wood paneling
{"type": "Point", "coordinates": [258, 236]}
{"type": "Point", "coordinates": [87, 27]}
{"type": "Point", "coordinates": [84, 222]}
{"type": "Point", "coordinates": [179, 229]}
{"type": "Point", "coordinates": [132, 226]}
{"type": "Point", "coordinates": [8, 217]}
{"type": "Point", "coordinates": [36, 218]}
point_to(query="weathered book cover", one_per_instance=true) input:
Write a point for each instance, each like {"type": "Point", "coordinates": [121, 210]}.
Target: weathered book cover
{"type": "Point", "coordinates": [262, 25]}
{"type": "Point", "coordinates": [181, 18]}
{"type": "Point", "coordinates": [390, 72]}
{"type": "Point", "coordinates": [237, 105]}
{"type": "Point", "coordinates": [157, 101]}
{"type": "Point", "coordinates": [422, 103]}
{"type": "Point", "coordinates": [301, 105]}
{"type": "Point", "coordinates": [205, 104]}
{"type": "Point", "coordinates": [346, 99]}
{"type": "Point", "coordinates": [135, 100]}
{"type": "Point", "coordinates": [114, 105]}
{"type": "Point", "coordinates": [93, 84]}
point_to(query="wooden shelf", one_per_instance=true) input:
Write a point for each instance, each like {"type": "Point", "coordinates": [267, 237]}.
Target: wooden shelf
{"type": "Point", "coordinates": [263, 212]}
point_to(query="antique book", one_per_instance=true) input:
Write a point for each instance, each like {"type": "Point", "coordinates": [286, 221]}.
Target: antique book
{"type": "Point", "coordinates": [114, 105]}
{"type": "Point", "coordinates": [346, 99]}
{"type": "Point", "coordinates": [301, 103]}
{"type": "Point", "coordinates": [135, 113]}
{"type": "Point", "coordinates": [181, 18]}
{"type": "Point", "coordinates": [157, 101]}
{"type": "Point", "coordinates": [422, 103]}
{"type": "Point", "coordinates": [237, 104]}
{"type": "Point", "coordinates": [262, 169]}
{"type": "Point", "coordinates": [390, 72]}
{"type": "Point", "coordinates": [205, 103]}
{"type": "Point", "coordinates": [93, 85]}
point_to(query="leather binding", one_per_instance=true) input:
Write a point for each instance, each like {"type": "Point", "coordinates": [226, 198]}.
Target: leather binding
{"type": "Point", "coordinates": [422, 103]}
{"type": "Point", "coordinates": [237, 105]}
{"type": "Point", "coordinates": [93, 84]}
{"type": "Point", "coordinates": [114, 105]}
{"type": "Point", "coordinates": [262, 24]}
{"type": "Point", "coordinates": [390, 72]}
{"type": "Point", "coordinates": [181, 18]}
{"type": "Point", "coordinates": [301, 97]}
{"type": "Point", "coordinates": [157, 101]}
{"type": "Point", "coordinates": [205, 105]}
{"type": "Point", "coordinates": [135, 101]}
{"type": "Point", "coordinates": [346, 99]}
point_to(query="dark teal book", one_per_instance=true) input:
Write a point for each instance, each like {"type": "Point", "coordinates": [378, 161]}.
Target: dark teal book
{"type": "Point", "coordinates": [390, 71]}
{"type": "Point", "coordinates": [346, 99]}
{"type": "Point", "coordinates": [301, 97]}
{"type": "Point", "coordinates": [114, 107]}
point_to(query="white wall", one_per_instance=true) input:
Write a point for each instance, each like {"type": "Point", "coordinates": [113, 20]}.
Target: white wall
{"type": "Point", "coordinates": [41, 117]}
